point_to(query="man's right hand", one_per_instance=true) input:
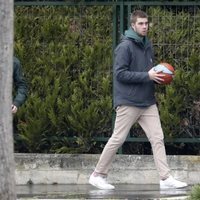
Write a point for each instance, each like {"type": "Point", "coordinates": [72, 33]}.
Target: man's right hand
{"type": "Point", "coordinates": [14, 108]}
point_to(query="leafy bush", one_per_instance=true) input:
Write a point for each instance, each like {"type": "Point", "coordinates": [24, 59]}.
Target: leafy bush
{"type": "Point", "coordinates": [67, 59]}
{"type": "Point", "coordinates": [195, 193]}
{"type": "Point", "coordinates": [179, 101]}
{"type": "Point", "coordinates": [67, 62]}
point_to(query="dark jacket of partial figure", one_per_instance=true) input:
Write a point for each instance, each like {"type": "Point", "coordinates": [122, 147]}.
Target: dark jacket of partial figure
{"type": "Point", "coordinates": [20, 85]}
{"type": "Point", "coordinates": [131, 83]}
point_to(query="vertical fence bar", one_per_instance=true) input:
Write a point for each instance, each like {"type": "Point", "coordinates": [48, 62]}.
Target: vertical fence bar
{"type": "Point", "coordinates": [121, 22]}
{"type": "Point", "coordinates": [128, 15]}
{"type": "Point", "coordinates": [114, 8]}
{"type": "Point", "coordinates": [121, 17]}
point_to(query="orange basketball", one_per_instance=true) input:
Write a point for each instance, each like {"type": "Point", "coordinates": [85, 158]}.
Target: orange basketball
{"type": "Point", "coordinates": [167, 70]}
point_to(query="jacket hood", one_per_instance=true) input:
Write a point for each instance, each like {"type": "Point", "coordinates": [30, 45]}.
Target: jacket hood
{"type": "Point", "coordinates": [130, 33]}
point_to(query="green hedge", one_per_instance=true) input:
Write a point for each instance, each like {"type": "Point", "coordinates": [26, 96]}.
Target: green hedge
{"type": "Point", "coordinates": [66, 53]}
{"type": "Point", "coordinates": [179, 38]}
{"type": "Point", "coordinates": [195, 193]}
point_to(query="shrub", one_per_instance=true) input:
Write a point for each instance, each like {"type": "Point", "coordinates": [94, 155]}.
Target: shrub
{"type": "Point", "coordinates": [195, 193]}
{"type": "Point", "coordinates": [67, 59]}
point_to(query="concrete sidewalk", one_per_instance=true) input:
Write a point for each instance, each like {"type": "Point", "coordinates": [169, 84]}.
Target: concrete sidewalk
{"type": "Point", "coordinates": [122, 192]}
{"type": "Point", "coordinates": [65, 176]}
{"type": "Point", "coordinates": [76, 168]}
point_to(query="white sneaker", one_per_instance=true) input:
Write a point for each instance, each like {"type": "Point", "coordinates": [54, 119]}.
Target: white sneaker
{"type": "Point", "coordinates": [171, 182]}
{"type": "Point", "coordinates": [100, 182]}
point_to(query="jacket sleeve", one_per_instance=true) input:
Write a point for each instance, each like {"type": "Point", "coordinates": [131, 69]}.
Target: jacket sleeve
{"type": "Point", "coordinates": [121, 67]}
{"type": "Point", "coordinates": [20, 85]}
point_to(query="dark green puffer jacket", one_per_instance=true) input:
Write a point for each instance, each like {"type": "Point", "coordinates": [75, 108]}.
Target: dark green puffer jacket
{"type": "Point", "coordinates": [20, 85]}
{"type": "Point", "coordinates": [131, 83]}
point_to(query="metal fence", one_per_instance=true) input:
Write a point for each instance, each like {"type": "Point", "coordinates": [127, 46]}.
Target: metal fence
{"type": "Point", "coordinates": [121, 11]}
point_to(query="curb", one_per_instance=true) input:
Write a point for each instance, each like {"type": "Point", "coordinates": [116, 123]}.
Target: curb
{"type": "Point", "coordinates": [174, 198]}
{"type": "Point", "coordinates": [165, 198]}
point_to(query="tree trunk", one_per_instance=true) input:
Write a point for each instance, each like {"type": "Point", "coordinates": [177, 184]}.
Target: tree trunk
{"type": "Point", "coordinates": [7, 168]}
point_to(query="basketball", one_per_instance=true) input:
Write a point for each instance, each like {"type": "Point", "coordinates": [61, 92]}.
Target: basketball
{"type": "Point", "coordinates": [167, 70]}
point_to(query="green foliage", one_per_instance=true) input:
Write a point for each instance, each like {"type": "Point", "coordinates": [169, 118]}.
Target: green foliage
{"type": "Point", "coordinates": [67, 60]}
{"type": "Point", "coordinates": [176, 42]}
{"type": "Point", "coordinates": [66, 53]}
{"type": "Point", "coordinates": [195, 193]}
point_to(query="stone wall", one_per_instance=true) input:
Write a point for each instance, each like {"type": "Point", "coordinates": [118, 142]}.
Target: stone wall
{"type": "Point", "coordinates": [76, 168]}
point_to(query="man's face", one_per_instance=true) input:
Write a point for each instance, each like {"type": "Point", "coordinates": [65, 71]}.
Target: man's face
{"type": "Point", "coordinates": [141, 26]}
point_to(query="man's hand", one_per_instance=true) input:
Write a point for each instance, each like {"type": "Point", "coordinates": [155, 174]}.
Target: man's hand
{"type": "Point", "coordinates": [14, 108]}
{"type": "Point", "coordinates": [155, 76]}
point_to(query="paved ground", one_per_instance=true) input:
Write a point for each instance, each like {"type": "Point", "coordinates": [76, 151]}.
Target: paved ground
{"type": "Point", "coordinates": [122, 192]}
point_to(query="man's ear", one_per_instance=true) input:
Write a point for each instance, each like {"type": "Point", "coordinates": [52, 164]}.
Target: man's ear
{"type": "Point", "coordinates": [133, 26]}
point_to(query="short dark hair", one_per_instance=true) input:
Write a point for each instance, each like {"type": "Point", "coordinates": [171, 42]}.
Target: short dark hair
{"type": "Point", "coordinates": [137, 14]}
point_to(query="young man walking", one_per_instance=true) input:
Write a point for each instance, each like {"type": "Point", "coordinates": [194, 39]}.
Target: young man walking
{"type": "Point", "coordinates": [134, 101]}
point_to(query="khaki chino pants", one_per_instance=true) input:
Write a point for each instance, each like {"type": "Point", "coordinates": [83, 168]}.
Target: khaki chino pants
{"type": "Point", "coordinates": [149, 119]}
